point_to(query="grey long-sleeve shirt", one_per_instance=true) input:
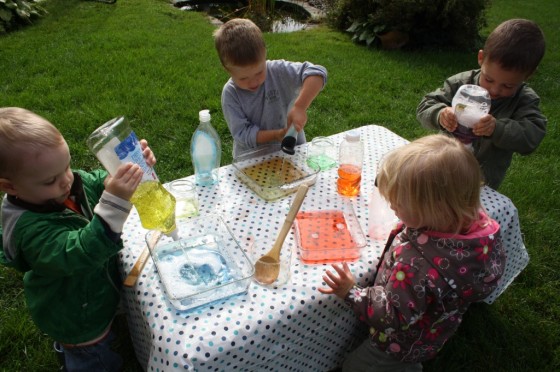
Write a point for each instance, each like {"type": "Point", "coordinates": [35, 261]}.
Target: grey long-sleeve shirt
{"type": "Point", "coordinates": [520, 125]}
{"type": "Point", "coordinates": [248, 112]}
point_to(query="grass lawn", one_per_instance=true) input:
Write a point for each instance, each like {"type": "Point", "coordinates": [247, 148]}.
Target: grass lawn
{"type": "Point", "coordinates": [87, 62]}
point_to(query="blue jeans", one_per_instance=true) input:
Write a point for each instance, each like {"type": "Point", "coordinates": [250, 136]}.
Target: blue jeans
{"type": "Point", "coordinates": [96, 357]}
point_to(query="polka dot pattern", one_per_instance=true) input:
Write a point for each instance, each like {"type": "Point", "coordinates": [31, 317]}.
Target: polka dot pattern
{"type": "Point", "coordinates": [290, 328]}
{"type": "Point", "coordinates": [501, 208]}
{"type": "Point", "coordinates": [265, 174]}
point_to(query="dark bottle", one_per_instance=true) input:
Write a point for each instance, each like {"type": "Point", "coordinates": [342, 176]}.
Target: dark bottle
{"type": "Point", "coordinates": [289, 141]}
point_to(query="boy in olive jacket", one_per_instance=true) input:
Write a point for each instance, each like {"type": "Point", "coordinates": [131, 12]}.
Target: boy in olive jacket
{"type": "Point", "coordinates": [515, 123]}
{"type": "Point", "coordinates": [62, 229]}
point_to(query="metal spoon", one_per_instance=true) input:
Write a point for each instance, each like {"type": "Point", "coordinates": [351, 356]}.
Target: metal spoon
{"type": "Point", "coordinates": [267, 267]}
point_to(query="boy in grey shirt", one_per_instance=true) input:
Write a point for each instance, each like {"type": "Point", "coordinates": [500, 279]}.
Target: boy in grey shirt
{"type": "Point", "coordinates": [262, 99]}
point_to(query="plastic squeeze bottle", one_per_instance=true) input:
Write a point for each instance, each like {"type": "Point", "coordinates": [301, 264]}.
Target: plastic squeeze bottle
{"type": "Point", "coordinates": [206, 151]}
{"type": "Point", "coordinates": [115, 143]}
{"type": "Point", "coordinates": [351, 154]}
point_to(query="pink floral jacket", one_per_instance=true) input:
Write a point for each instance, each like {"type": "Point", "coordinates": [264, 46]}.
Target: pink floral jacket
{"type": "Point", "coordinates": [424, 284]}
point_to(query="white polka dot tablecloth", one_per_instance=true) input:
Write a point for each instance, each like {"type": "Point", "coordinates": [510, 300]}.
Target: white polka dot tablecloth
{"type": "Point", "coordinates": [501, 208]}
{"type": "Point", "coordinates": [290, 328]}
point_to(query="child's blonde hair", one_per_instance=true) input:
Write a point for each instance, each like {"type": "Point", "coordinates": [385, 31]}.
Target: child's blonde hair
{"type": "Point", "coordinates": [435, 177]}
{"type": "Point", "coordinates": [23, 132]}
{"type": "Point", "coordinates": [239, 42]}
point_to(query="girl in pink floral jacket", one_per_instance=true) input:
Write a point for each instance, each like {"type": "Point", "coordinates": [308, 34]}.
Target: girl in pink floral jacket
{"type": "Point", "coordinates": [445, 254]}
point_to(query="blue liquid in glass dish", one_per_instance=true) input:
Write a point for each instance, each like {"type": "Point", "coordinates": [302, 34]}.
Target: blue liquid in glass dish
{"type": "Point", "coordinates": [188, 271]}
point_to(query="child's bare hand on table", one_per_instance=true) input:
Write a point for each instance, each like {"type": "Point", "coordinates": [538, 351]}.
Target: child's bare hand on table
{"type": "Point", "coordinates": [339, 283]}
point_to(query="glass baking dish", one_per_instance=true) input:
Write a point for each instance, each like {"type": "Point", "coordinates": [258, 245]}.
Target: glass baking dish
{"type": "Point", "coordinates": [273, 174]}
{"type": "Point", "coordinates": [330, 235]}
{"type": "Point", "coordinates": [206, 264]}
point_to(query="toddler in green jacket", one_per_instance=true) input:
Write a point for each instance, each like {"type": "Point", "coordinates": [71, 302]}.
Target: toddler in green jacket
{"type": "Point", "coordinates": [515, 123]}
{"type": "Point", "coordinates": [62, 228]}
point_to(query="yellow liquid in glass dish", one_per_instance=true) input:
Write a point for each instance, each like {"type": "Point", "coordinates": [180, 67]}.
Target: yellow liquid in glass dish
{"type": "Point", "coordinates": [274, 172]}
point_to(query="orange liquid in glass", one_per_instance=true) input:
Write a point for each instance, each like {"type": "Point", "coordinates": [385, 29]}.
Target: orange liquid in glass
{"type": "Point", "coordinates": [349, 178]}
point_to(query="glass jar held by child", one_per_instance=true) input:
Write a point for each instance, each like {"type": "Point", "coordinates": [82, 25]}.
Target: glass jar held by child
{"type": "Point", "coordinates": [115, 143]}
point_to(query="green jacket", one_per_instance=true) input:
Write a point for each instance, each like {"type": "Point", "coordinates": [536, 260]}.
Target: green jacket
{"type": "Point", "coordinates": [71, 276]}
{"type": "Point", "coordinates": [520, 125]}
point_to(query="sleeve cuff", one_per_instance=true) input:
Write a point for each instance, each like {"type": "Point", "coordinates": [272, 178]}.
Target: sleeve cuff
{"type": "Point", "coordinates": [352, 294]}
{"type": "Point", "coordinates": [437, 120]}
{"type": "Point", "coordinates": [113, 210]}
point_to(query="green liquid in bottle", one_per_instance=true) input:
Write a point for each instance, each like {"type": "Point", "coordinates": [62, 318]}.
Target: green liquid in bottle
{"type": "Point", "coordinates": [155, 206]}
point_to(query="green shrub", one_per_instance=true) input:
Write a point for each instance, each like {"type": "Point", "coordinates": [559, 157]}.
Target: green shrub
{"type": "Point", "coordinates": [454, 23]}
{"type": "Point", "coordinates": [16, 13]}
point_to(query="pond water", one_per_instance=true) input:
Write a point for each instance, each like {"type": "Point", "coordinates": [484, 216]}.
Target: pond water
{"type": "Point", "coordinates": [286, 17]}
{"type": "Point", "coordinates": [288, 24]}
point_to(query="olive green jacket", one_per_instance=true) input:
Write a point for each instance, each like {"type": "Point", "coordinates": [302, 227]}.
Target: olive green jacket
{"type": "Point", "coordinates": [520, 125]}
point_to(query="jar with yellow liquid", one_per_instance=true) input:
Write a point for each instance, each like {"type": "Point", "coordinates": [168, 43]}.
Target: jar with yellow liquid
{"type": "Point", "coordinates": [115, 143]}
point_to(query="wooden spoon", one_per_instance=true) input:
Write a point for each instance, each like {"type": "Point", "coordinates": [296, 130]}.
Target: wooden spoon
{"type": "Point", "coordinates": [131, 278]}
{"type": "Point", "coordinates": [267, 267]}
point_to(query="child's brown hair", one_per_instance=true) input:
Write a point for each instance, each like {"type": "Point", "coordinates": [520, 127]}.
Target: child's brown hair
{"type": "Point", "coordinates": [516, 44]}
{"type": "Point", "coordinates": [239, 42]}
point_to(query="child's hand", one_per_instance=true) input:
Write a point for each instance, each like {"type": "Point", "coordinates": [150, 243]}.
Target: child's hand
{"type": "Point", "coordinates": [279, 134]}
{"type": "Point", "coordinates": [147, 152]}
{"type": "Point", "coordinates": [338, 284]}
{"type": "Point", "coordinates": [486, 126]}
{"type": "Point", "coordinates": [125, 181]}
{"type": "Point", "coordinates": [298, 117]}
{"type": "Point", "coordinates": [447, 119]}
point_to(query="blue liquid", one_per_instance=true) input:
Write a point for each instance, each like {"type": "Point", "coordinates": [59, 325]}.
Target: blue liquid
{"type": "Point", "coordinates": [206, 154]}
{"type": "Point", "coordinates": [187, 271]}
{"type": "Point", "coordinates": [215, 273]}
